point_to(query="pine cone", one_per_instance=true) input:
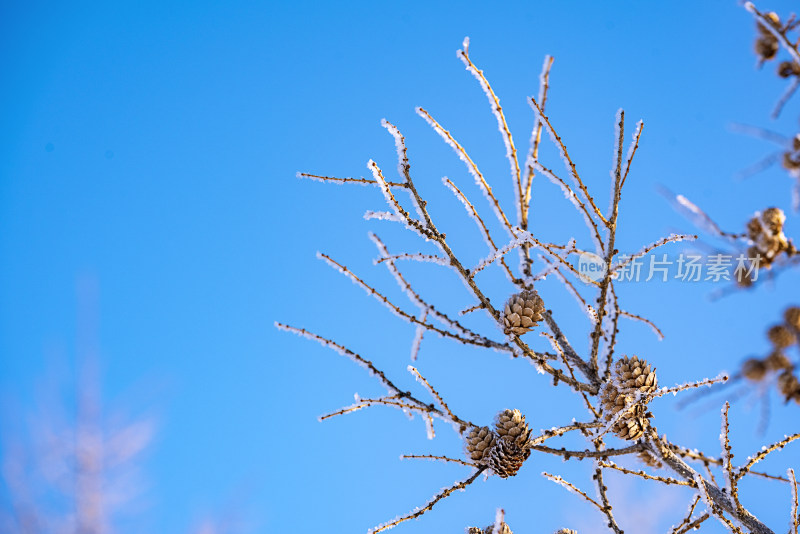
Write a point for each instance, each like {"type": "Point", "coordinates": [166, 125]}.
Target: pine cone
{"type": "Point", "coordinates": [773, 219]}
{"type": "Point", "coordinates": [766, 47]}
{"type": "Point", "coordinates": [512, 447]}
{"type": "Point", "coordinates": [788, 385]}
{"type": "Point", "coordinates": [791, 161]}
{"type": "Point", "coordinates": [633, 424]}
{"type": "Point", "coordinates": [754, 229]}
{"type": "Point", "coordinates": [781, 336]}
{"type": "Point", "coordinates": [777, 361]}
{"type": "Point", "coordinates": [792, 317]}
{"type": "Point", "coordinates": [754, 369]}
{"type": "Point", "coordinates": [788, 68]}
{"type": "Point", "coordinates": [478, 443]}
{"type": "Point", "coordinates": [632, 376]}
{"type": "Point", "coordinates": [504, 529]}
{"type": "Point", "coordinates": [765, 230]}
{"type": "Point", "coordinates": [648, 459]}
{"type": "Point", "coordinates": [507, 457]}
{"type": "Point", "coordinates": [510, 424]}
{"type": "Point", "coordinates": [523, 312]}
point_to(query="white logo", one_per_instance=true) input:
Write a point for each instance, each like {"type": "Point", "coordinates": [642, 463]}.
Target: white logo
{"type": "Point", "coordinates": [591, 267]}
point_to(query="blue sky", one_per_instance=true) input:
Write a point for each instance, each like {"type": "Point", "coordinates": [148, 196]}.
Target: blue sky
{"type": "Point", "coordinates": [148, 152]}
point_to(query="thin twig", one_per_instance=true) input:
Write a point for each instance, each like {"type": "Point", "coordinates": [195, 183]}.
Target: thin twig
{"type": "Point", "coordinates": [793, 482]}
{"type": "Point", "coordinates": [432, 457]}
{"type": "Point", "coordinates": [558, 480]}
{"type": "Point", "coordinates": [362, 181]}
{"type": "Point", "coordinates": [568, 160]}
{"type": "Point", "coordinates": [590, 454]}
{"type": "Point", "coordinates": [473, 169]}
{"type": "Point", "coordinates": [688, 519]}
{"type": "Point", "coordinates": [432, 390]}
{"type": "Point", "coordinates": [645, 475]}
{"type": "Point", "coordinates": [438, 497]}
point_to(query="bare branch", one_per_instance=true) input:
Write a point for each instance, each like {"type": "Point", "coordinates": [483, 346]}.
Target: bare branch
{"type": "Point", "coordinates": [497, 111]}
{"type": "Point", "coordinates": [437, 458]}
{"type": "Point", "coordinates": [571, 487]}
{"type": "Point", "coordinates": [473, 169]}
{"type": "Point", "coordinates": [438, 497]}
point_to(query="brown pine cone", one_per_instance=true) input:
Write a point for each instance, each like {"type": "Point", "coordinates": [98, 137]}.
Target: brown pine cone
{"type": "Point", "coordinates": [523, 312]}
{"type": "Point", "coordinates": [777, 361]}
{"type": "Point", "coordinates": [787, 69]}
{"type": "Point", "coordinates": [478, 443]}
{"type": "Point", "coordinates": [634, 374]}
{"type": "Point", "coordinates": [781, 336]}
{"type": "Point", "coordinates": [754, 229]}
{"type": "Point", "coordinates": [765, 230]}
{"type": "Point", "coordinates": [788, 385]}
{"type": "Point", "coordinates": [507, 457]}
{"type": "Point", "coordinates": [790, 161]}
{"type": "Point", "coordinates": [754, 369]}
{"type": "Point", "coordinates": [511, 424]}
{"type": "Point", "coordinates": [792, 317]}
{"type": "Point", "coordinates": [766, 47]}
{"type": "Point", "coordinates": [773, 219]}
{"type": "Point", "coordinates": [634, 423]}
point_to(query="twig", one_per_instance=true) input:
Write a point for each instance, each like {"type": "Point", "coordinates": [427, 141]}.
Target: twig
{"type": "Point", "coordinates": [438, 497]}
{"type": "Point", "coordinates": [645, 475]}
{"type": "Point", "coordinates": [742, 471]}
{"type": "Point", "coordinates": [439, 458]}
{"type": "Point", "coordinates": [793, 481]}
{"type": "Point", "coordinates": [644, 320]}
{"type": "Point", "coordinates": [688, 519]}
{"type": "Point", "coordinates": [497, 111]}
{"type": "Point", "coordinates": [785, 97]}
{"type": "Point", "coordinates": [421, 379]}
{"type": "Point", "coordinates": [473, 169]}
{"type": "Point", "coordinates": [611, 223]}
{"type": "Point", "coordinates": [558, 480]}
{"type": "Point", "coordinates": [568, 160]}
{"type": "Point", "coordinates": [602, 489]}
{"type": "Point", "coordinates": [590, 454]}
{"type": "Point", "coordinates": [479, 221]}
{"type": "Point", "coordinates": [362, 181]}
{"type": "Point", "coordinates": [533, 157]}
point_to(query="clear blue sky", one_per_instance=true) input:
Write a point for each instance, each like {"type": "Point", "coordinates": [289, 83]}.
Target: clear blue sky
{"type": "Point", "coordinates": [149, 150]}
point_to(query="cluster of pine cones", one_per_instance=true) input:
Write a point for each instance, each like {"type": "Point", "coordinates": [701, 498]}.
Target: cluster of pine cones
{"type": "Point", "coordinates": [523, 312]}
{"type": "Point", "coordinates": [765, 230]}
{"type": "Point", "coordinates": [767, 46]}
{"type": "Point", "coordinates": [632, 377]}
{"type": "Point", "coordinates": [502, 449]}
{"type": "Point", "coordinates": [782, 336]}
